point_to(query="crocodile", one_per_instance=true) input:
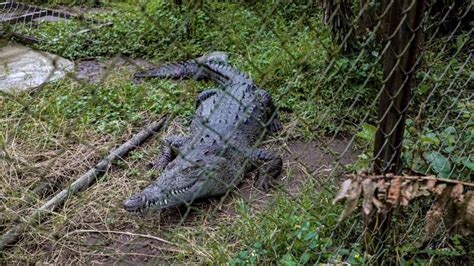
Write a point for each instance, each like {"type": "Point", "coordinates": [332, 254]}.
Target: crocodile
{"type": "Point", "coordinates": [230, 120]}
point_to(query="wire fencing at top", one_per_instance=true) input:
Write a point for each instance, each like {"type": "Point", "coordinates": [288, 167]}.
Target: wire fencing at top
{"type": "Point", "coordinates": [389, 93]}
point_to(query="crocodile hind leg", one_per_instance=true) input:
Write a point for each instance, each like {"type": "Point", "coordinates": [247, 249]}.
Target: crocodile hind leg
{"type": "Point", "coordinates": [206, 94]}
{"type": "Point", "coordinates": [168, 153]}
{"type": "Point", "coordinates": [269, 166]}
{"type": "Point", "coordinates": [274, 124]}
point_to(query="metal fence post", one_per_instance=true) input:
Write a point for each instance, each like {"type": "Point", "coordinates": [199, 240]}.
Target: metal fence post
{"type": "Point", "coordinates": [402, 28]}
{"type": "Point", "coordinates": [402, 33]}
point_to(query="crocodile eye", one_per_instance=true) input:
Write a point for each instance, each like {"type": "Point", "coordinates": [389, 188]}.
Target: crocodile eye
{"type": "Point", "coordinates": [191, 168]}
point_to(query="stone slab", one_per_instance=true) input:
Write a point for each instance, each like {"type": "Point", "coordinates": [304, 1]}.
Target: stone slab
{"type": "Point", "coordinates": [22, 68]}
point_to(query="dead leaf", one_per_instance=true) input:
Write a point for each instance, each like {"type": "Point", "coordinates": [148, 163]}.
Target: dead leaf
{"type": "Point", "coordinates": [466, 214]}
{"type": "Point", "coordinates": [470, 205]}
{"type": "Point", "coordinates": [368, 187]}
{"type": "Point", "coordinates": [434, 217]}
{"type": "Point", "coordinates": [433, 220]}
{"type": "Point", "coordinates": [351, 205]}
{"type": "Point", "coordinates": [363, 173]}
{"type": "Point", "coordinates": [414, 191]}
{"type": "Point", "coordinates": [430, 184]}
{"type": "Point", "coordinates": [406, 194]}
{"type": "Point", "coordinates": [456, 193]}
{"type": "Point", "coordinates": [382, 189]}
{"type": "Point", "coordinates": [351, 200]}
{"type": "Point", "coordinates": [394, 191]}
{"type": "Point", "coordinates": [378, 204]}
{"type": "Point", "coordinates": [423, 190]}
{"type": "Point", "coordinates": [439, 189]}
{"type": "Point", "coordinates": [342, 193]}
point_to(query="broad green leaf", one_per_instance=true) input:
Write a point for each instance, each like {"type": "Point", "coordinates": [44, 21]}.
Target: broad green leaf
{"type": "Point", "coordinates": [450, 130]}
{"type": "Point", "coordinates": [430, 138]}
{"type": "Point", "coordinates": [288, 260]}
{"type": "Point", "coordinates": [439, 163]}
{"type": "Point", "coordinates": [367, 132]}
{"type": "Point", "coordinates": [468, 163]}
{"type": "Point", "coordinates": [423, 88]}
{"type": "Point", "coordinates": [305, 258]}
{"type": "Point", "coordinates": [449, 149]}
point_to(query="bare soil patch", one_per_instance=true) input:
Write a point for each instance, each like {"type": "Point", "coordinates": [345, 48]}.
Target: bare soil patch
{"type": "Point", "coordinates": [96, 70]}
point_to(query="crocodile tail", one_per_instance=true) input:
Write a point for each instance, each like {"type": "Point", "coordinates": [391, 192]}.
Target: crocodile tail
{"type": "Point", "coordinates": [183, 69]}
{"type": "Point", "coordinates": [213, 66]}
{"type": "Point", "coordinates": [171, 70]}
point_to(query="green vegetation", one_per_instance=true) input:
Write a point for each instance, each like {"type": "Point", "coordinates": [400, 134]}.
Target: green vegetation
{"type": "Point", "coordinates": [287, 50]}
{"type": "Point", "coordinates": [283, 55]}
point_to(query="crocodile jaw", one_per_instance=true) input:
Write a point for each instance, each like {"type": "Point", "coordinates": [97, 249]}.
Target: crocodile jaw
{"type": "Point", "coordinates": [181, 182]}
{"type": "Point", "coordinates": [153, 198]}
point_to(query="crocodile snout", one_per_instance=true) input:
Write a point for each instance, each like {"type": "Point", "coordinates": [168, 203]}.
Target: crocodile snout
{"type": "Point", "coordinates": [134, 203]}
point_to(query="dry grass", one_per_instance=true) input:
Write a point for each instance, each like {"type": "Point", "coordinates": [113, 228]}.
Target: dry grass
{"type": "Point", "coordinates": [97, 208]}
{"type": "Point", "coordinates": [93, 227]}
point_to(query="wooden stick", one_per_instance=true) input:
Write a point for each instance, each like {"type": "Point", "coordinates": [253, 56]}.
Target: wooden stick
{"type": "Point", "coordinates": [82, 182]}
{"type": "Point", "coordinates": [120, 233]}
{"type": "Point", "coordinates": [430, 177]}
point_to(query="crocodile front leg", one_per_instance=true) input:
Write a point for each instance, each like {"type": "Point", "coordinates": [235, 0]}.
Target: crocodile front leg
{"type": "Point", "coordinates": [274, 124]}
{"type": "Point", "coordinates": [269, 166]}
{"type": "Point", "coordinates": [169, 152]}
{"type": "Point", "coordinates": [206, 94]}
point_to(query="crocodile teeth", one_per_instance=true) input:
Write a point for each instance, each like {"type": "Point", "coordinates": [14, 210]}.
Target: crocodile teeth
{"type": "Point", "coordinates": [166, 201]}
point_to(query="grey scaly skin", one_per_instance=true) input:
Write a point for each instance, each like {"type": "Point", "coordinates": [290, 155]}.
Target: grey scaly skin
{"type": "Point", "coordinates": [228, 123]}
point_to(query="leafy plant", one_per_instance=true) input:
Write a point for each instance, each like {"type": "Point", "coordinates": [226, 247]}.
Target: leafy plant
{"type": "Point", "coordinates": [445, 151]}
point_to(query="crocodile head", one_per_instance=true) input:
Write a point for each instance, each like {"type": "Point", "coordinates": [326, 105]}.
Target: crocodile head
{"type": "Point", "coordinates": [182, 181]}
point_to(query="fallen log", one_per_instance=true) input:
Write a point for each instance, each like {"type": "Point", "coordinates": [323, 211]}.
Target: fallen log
{"type": "Point", "coordinates": [81, 183]}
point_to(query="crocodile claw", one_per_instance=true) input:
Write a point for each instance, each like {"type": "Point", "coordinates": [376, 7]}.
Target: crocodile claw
{"type": "Point", "coordinates": [276, 126]}
{"type": "Point", "coordinates": [265, 182]}
{"type": "Point", "coordinates": [149, 166]}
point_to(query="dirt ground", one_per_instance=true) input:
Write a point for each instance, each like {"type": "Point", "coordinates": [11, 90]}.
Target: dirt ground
{"type": "Point", "coordinates": [96, 70]}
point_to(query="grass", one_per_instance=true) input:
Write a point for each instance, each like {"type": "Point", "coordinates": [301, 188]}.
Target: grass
{"type": "Point", "coordinates": [60, 130]}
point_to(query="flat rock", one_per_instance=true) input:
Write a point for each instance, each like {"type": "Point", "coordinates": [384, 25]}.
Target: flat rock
{"type": "Point", "coordinates": [22, 67]}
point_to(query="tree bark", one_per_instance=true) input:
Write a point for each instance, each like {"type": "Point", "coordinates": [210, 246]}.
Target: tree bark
{"type": "Point", "coordinates": [403, 31]}
{"type": "Point", "coordinates": [338, 14]}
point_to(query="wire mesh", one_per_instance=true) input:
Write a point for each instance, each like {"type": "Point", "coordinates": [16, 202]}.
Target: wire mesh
{"type": "Point", "coordinates": [378, 85]}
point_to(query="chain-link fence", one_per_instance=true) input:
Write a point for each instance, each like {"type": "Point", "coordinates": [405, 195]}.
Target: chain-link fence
{"type": "Point", "coordinates": [382, 87]}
